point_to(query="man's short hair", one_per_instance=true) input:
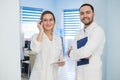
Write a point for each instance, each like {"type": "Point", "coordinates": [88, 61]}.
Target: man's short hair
{"type": "Point", "coordinates": [86, 4]}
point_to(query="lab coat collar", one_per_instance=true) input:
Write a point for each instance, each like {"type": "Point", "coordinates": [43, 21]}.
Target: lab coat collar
{"type": "Point", "coordinates": [90, 27]}
{"type": "Point", "coordinates": [46, 37]}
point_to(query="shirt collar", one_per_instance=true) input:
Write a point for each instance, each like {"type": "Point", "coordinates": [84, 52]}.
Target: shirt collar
{"type": "Point", "coordinates": [90, 27]}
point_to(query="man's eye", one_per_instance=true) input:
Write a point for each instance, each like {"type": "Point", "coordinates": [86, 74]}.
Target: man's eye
{"type": "Point", "coordinates": [81, 13]}
{"type": "Point", "coordinates": [88, 12]}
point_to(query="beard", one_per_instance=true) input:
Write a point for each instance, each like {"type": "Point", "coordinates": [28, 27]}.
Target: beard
{"type": "Point", "coordinates": [87, 21]}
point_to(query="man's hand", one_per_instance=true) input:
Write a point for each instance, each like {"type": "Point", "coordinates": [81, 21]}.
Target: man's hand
{"type": "Point", "coordinates": [89, 57]}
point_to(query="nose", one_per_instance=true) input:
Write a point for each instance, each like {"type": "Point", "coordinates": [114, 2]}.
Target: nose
{"type": "Point", "coordinates": [84, 15]}
{"type": "Point", "coordinates": [48, 21]}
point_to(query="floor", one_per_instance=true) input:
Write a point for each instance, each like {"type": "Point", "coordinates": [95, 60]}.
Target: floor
{"type": "Point", "coordinates": [65, 73]}
{"type": "Point", "coordinates": [24, 76]}
{"type": "Point", "coordinates": [68, 71]}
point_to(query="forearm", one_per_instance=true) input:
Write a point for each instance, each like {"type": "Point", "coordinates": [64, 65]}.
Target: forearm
{"type": "Point", "coordinates": [76, 55]}
{"type": "Point", "coordinates": [40, 36]}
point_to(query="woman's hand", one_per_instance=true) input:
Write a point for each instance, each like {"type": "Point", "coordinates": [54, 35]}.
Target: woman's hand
{"type": "Point", "coordinates": [40, 26]}
{"type": "Point", "coordinates": [41, 30]}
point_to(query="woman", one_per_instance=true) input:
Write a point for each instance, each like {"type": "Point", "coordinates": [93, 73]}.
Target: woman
{"type": "Point", "coordinates": [48, 49]}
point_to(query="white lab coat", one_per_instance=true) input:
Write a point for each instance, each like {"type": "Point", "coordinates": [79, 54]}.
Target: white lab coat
{"type": "Point", "coordinates": [47, 55]}
{"type": "Point", "coordinates": [94, 47]}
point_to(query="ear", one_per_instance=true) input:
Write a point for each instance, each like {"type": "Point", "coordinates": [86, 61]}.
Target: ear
{"type": "Point", "coordinates": [93, 14]}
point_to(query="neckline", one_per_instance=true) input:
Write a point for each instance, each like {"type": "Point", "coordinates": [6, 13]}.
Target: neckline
{"type": "Point", "coordinates": [48, 37]}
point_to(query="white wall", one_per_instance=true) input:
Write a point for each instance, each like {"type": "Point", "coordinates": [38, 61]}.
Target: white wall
{"type": "Point", "coordinates": [113, 40]}
{"type": "Point", "coordinates": [9, 40]}
{"type": "Point", "coordinates": [44, 4]}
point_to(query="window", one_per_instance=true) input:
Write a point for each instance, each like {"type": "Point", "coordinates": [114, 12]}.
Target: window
{"type": "Point", "coordinates": [71, 23]}
{"type": "Point", "coordinates": [29, 18]}
{"type": "Point", "coordinates": [71, 26]}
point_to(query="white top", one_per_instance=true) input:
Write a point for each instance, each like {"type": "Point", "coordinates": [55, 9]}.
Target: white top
{"type": "Point", "coordinates": [48, 54]}
{"type": "Point", "coordinates": [94, 48]}
{"type": "Point", "coordinates": [95, 44]}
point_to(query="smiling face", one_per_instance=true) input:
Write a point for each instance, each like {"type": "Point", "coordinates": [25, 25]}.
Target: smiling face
{"type": "Point", "coordinates": [86, 15]}
{"type": "Point", "coordinates": [48, 22]}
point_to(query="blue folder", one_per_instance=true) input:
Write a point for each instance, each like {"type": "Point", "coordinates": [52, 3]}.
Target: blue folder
{"type": "Point", "coordinates": [81, 43]}
{"type": "Point", "coordinates": [83, 61]}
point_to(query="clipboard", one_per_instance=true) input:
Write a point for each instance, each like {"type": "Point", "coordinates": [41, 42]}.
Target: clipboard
{"type": "Point", "coordinates": [81, 43]}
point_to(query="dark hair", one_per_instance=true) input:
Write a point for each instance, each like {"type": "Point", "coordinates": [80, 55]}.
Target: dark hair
{"type": "Point", "coordinates": [86, 4]}
{"type": "Point", "coordinates": [47, 12]}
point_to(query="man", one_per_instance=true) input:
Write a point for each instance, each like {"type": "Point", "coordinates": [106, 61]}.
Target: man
{"type": "Point", "coordinates": [88, 46]}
